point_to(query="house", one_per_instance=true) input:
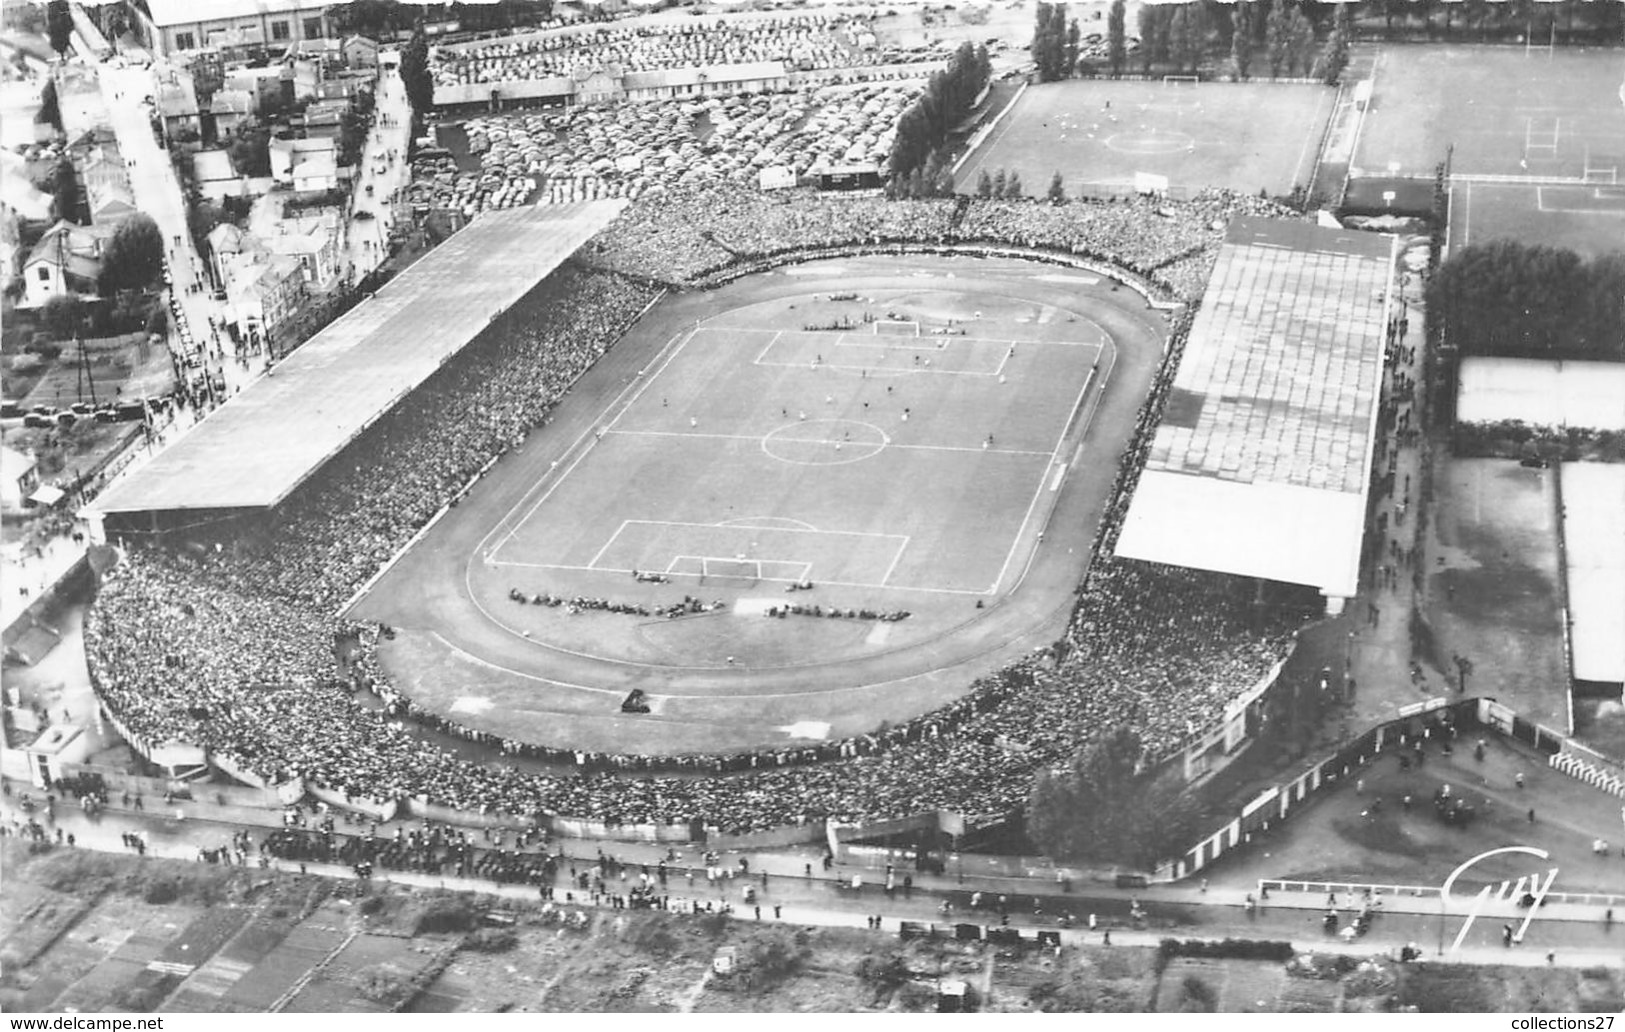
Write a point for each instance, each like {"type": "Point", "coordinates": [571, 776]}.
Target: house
{"type": "Point", "coordinates": [312, 238]}
{"type": "Point", "coordinates": [176, 101]}
{"type": "Point", "coordinates": [286, 153]}
{"type": "Point", "coordinates": [178, 25]}
{"type": "Point", "coordinates": [271, 87]}
{"type": "Point", "coordinates": [264, 292]}
{"type": "Point", "coordinates": [360, 52]}
{"type": "Point", "coordinates": [108, 193]}
{"type": "Point", "coordinates": [67, 260]}
{"type": "Point", "coordinates": [226, 242]}
{"type": "Point", "coordinates": [19, 475]}
{"type": "Point", "coordinates": [325, 118]}
{"type": "Point", "coordinates": [231, 109]}
{"type": "Point", "coordinates": [314, 173]}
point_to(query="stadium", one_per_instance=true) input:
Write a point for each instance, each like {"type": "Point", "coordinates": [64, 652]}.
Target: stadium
{"type": "Point", "coordinates": [872, 507]}
{"type": "Point", "coordinates": [388, 567]}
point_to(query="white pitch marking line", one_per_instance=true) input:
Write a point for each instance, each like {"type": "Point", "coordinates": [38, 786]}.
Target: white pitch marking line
{"type": "Point", "coordinates": [593, 562]}
{"type": "Point", "coordinates": [771, 341]}
{"type": "Point", "coordinates": [503, 563]}
{"type": "Point", "coordinates": [822, 440]}
{"type": "Point", "coordinates": [895, 560]}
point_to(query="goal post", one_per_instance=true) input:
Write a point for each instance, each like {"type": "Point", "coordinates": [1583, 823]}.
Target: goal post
{"type": "Point", "coordinates": [1181, 80]}
{"type": "Point", "coordinates": [897, 328]}
{"type": "Point", "coordinates": [793, 571]}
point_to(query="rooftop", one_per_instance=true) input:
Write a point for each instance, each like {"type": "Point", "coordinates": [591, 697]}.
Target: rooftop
{"type": "Point", "coordinates": [1269, 426]}
{"type": "Point", "coordinates": [191, 12]}
{"type": "Point", "coordinates": [345, 378]}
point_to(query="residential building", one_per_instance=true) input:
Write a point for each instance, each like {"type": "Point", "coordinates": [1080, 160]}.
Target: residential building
{"type": "Point", "coordinates": [271, 87]}
{"type": "Point", "coordinates": [67, 260]}
{"type": "Point", "coordinates": [285, 154]}
{"type": "Point", "coordinates": [360, 52]}
{"type": "Point", "coordinates": [325, 118]}
{"type": "Point", "coordinates": [231, 109]}
{"type": "Point", "coordinates": [176, 101]}
{"type": "Point", "coordinates": [19, 475]}
{"type": "Point", "coordinates": [181, 25]}
{"type": "Point", "coordinates": [264, 292]}
{"type": "Point", "coordinates": [313, 238]}
{"type": "Point", "coordinates": [108, 193]}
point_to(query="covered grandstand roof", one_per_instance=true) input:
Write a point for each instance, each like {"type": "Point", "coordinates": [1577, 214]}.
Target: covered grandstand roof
{"type": "Point", "coordinates": [1594, 560]}
{"type": "Point", "coordinates": [256, 448]}
{"type": "Point", "coordinates": [1543, 392]}
{"type": "Point", "coordinates": [1262, 461]}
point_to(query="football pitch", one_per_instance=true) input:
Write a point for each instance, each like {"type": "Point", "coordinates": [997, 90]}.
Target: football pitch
{"type": "Point", "coordinates": [895, 457]}
{"type": "Point", "coordinates": [1099, 134]}
{"type": "Point", "coordinates": [1536, 139]}
{"type": "Point", "coordinates": [856, 439]}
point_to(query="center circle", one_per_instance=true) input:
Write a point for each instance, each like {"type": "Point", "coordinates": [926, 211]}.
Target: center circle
{"type": "Point", "coordinates": [1154, 141]}
{"type": "Point", "coordinates": [825, 442]}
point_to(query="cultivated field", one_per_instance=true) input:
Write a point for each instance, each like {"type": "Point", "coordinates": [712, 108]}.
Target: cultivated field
{"type": "Point", "coordinates": [1098, 134]}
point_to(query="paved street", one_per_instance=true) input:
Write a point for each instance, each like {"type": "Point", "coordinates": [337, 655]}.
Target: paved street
{"type": "Point", "coordinates": [797, 882]}
{"type": "Point", "coordinates": [384, 171]}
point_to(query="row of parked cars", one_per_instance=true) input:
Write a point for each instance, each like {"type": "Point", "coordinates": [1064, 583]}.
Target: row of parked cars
{"type": "Point", "coordinates": [46, 417]}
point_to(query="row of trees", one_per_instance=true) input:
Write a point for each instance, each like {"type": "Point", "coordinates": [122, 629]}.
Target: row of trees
{"type": "Point", "coordinates": [949, 97]}
{"type": "Point", "coordinates": [1055, 43]}
{"type": "Point", "coordinates": [1531, 301]}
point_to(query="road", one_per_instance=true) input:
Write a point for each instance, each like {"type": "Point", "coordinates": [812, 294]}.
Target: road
{"type": "Point", "coordinates": [1564, 935]}
{"type": "Point", "coordinates": [384, 172]}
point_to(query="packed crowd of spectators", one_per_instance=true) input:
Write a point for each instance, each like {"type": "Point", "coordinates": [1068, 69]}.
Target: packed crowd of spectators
{"type": "Point", "coordinates": [224, 644]}
{"type": "Point", "coordinates": [813, 40]}
{"type": "Point", "coordinates": [692, 233]}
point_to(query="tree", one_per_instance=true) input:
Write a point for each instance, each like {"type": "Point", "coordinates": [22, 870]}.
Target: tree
{"type": "Point", "coordinates": [1057, 192]}
{"type": "Point", "coordinates": [1530, 301]}
{"type": "Point", "coordinates": [415, 74]}
{"type": "Point", "coordinates": [134, 259]}
{"type": "Point", "coordinates": [59, 26]}
{"type": "Point", "coordinates": [984, 185]}
{"type": "Point", "coordinates": [62, 315]}
{"type": "Point", "coordinates": [50, 112]}
{"type": "Point", "coordinates": [1116, 44]}
{"type": "Point", "coordinates": [1278, 27]}
{"type": "Point", "coordinates": [1334, 56]}
{"type": "Point", "coordinates": [1300, 42]}
{"type": "Point", "coordinates": [1148, 35]}
{"type": "Point", "coordinates": [1074, 41]}
{"type": "Point", "coordinates": [1241, 38]}
{"type": "Point", "coordinates": [1099, 808]}
{"type": "Point", "coordinates": [64, 191]}
{"type": "Point", "coordinates": [1012, 188]}
{"type": "Point", "coordinates": [998, 184]}
{"type": "Point", "coordinates": [1184, 49]}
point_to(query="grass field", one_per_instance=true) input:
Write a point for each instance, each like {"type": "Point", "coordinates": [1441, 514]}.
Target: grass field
{"type": "Point", "coordinates": [1098, 134]}
{"type": "Point", "coordinates": [895, 458]}
{"type": "Point", "coordinates": [951, 463]}
{"type": "Point", "coordinates": [1538, 139]}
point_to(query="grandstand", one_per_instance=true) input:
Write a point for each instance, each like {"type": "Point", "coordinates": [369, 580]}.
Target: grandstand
{"type": "Point", "coordinates": [257, 448]}
{"type": "Point", "coordinates": [1262, 462]}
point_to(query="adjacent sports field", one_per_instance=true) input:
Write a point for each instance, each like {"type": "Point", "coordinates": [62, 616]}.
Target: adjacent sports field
{"type": "Point", "coordinates": [1098, 134]}
{"type": "Point", "coordinates": [1538, 139]}
{"type": "Point", "coordinates": [943, 446]}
